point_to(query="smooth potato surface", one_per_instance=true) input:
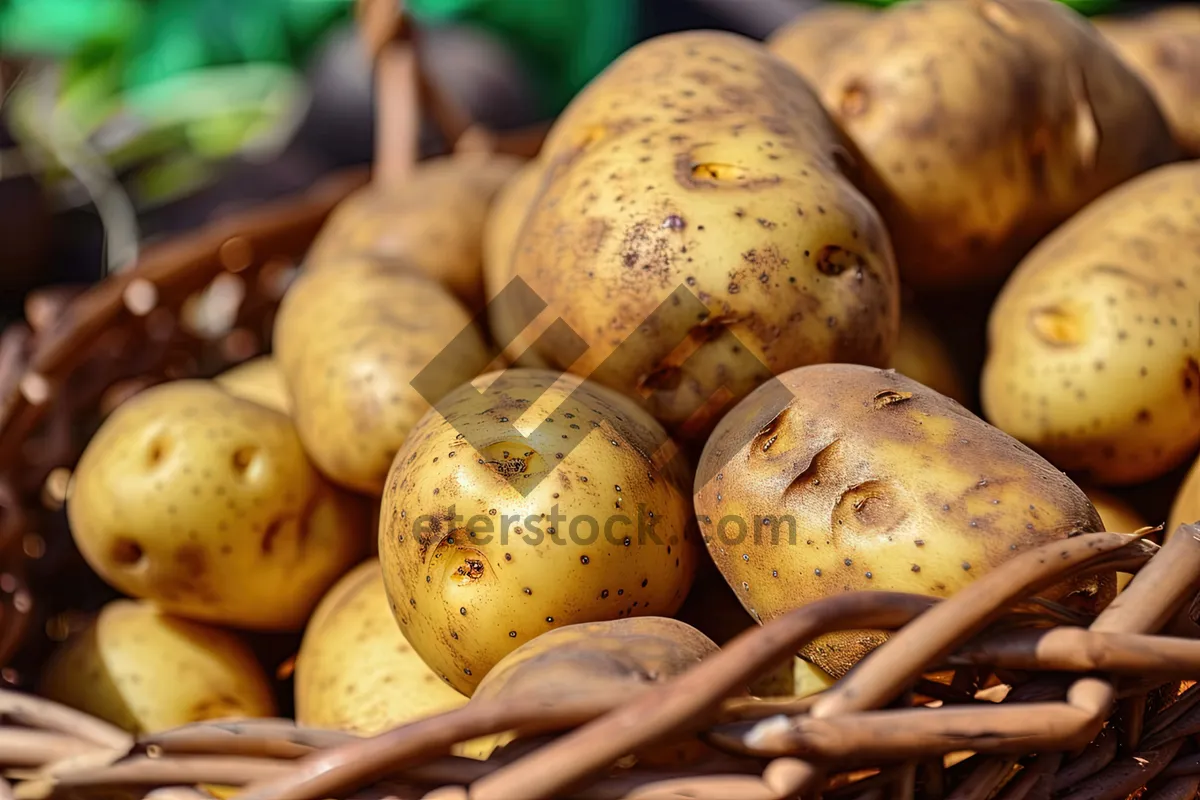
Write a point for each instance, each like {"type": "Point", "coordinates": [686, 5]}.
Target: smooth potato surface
{"type": "Point", "coordinates": [207, 504]}
{"type": "Point", "coordinates": [432, 224]}
{"type": "Point", "coordinates": [145, 671]}
{"type": "Point", "coordinates": [987, 123]}
{"type": "Point", "coordinates": [1094, 344]}
{"type": "Point", "coordinates": [847, 477]}
{"type": "Point", "coordinates": [698, 163]}
{"type": "Point", "coordinates": [260, 380]}
{"type": "Point", "coordinates": [1163, 47]}
{"type": "Point", "coordinates": [350, 341]}
{"type": "Point", "coordinates": [355, 671]}
{"type": "Point", "coordinates": [488, 538]}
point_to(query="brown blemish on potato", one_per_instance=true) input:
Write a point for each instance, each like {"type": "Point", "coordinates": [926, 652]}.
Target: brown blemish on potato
{"type": "Point", "coordinates": [157, 450]}
{"type": "Point", "coordinates": [127, 552]}
{"type": "Point", "coordinates": [243, 459]}
{"type": "Point", "coordinates": [834, 260]}
{"type": "Point", "coordinates": [855, 99]}
{"type": "Point", "coordinates": [890, 397]}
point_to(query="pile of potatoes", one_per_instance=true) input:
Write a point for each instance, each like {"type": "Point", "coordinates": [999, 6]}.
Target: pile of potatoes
{"type": "Point", "coordinates": [571, 424]}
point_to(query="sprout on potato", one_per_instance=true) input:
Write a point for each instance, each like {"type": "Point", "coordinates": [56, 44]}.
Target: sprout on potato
{"type": "Point", "coordinates": [207, 504]}
{"type": "Point", "coordinates": [146, 671]}
{"type": "Point", "coordinates": [843, 477]}
{"type": "Point", "coordinates": [987, 123]}
{"type": "Point", "coordinates": [355, 671]}
{"type": "Point", "coordinates": [1094, 343]}
{"type": "Point", "coordinates": [489, 537]}
{"type": "Point", "coordinates": [697, 163]}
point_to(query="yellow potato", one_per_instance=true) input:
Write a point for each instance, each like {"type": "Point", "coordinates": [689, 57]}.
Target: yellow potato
{"type": "Point", "coordinates": [701, 174]}
{"type": "Point", "coordinates": [355, 671]}
{"type": "Point", "coordinates": [921, 355]}
{"type": "Point", "coordinates": [260, 380]}
{"type": "Point", "coordinates": [1094, 344]}
{"type": "Point", "coordinates": [206, 504]}
{"type": "Point", "coordinates": [499, 239]}
{"type": "Point", "coordinates": [849, 478]}
{"type": "Point", "coordinates": [145, 671]}
{"type": "Point", "coordinates": [432, 224]}
{"type": "Point", "coordinates": [1186, 508]}
{"type": "Point", "coordinates": [1163, 47]}
{"type": "Point", "coordinates": [582, 661]}
{"type": "Point", "coordinates": [988, 123]}
{"type": "Point", "coordinates": [350, 341]}
{"type": "Point", "coordinates": [489, 538]}
{"type": "Point", "coordinates": [807, 42]}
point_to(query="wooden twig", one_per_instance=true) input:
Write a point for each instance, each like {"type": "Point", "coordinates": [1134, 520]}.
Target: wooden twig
{"type": "Point", "coordinates": [1125, 775]}
{"type": "Point", "coordinates": [1095, 757]}
{"type": "Point", "coordinates": [1181, 788]}
{"type": "Point", "coordinates": [37, 712]}
{"type": "Point", "coordinates": [24, 747]}
{"type": "Point", "coordinates": [1078, 650]}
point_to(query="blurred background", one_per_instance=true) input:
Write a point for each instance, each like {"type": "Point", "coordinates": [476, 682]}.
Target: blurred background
{"type": "Point", "coordinates": [126, 120]}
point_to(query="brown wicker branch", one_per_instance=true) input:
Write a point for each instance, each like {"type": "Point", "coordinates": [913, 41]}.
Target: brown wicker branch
{"type": "Point", "coordinates": [1098, 755]}
{"type": "Point", "coordinates": [35, 712]}
{"type": "Point", "coordinates": [688, 702]}
{"type": "Point", "coordinates": [170, 770]}
{"type": "Point", "coordinates": [885, 672]}
{"type": "Point", "coordinates": [25, 747]}
{"type": "Point", "coordinates": [1183, 705]}
{"type": "Point", "coordinates": [1078, 650]}
{"type": "Point", "coordinates": [1125, 775]}
{"type": "Point", "coordinates": [281, 739]}
{"type": "Point", "coordinates": [1035, 782]}
{"type": "Point", "coordinates": [987, 777]}
{"type": "Point", "coordinates": [1182, 788]}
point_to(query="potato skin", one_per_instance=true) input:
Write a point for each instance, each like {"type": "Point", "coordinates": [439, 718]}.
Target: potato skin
{"type": "Point", "coordinates": [1094, 343]}
{"type": "Point", "coordinates": [988, 122]}
{"type": "Point", "coordinates": [260, 380]}
{"type": "Point", "coordinates": [500, 236]}
{"type": "Point", "coordinates": [207, 504]}
{"type": "Point", "coordinates": [600, 533]}
{"type": "Point", "coordinates": [1186, 508]}
{"type": "Point", "coordinates": [807, 42]}
{"type": "Point", "coordinates": [432, 224]}
{"type": "Point", "coordinates": [921, 355]}
{"type": "Point", "coordinates": [355, 671]}
{"type": "Point", "coordinates": [891, 486]}
{"type": "Point", "coordinates": [1119, 517]}
{"type": "Point", "coordinates": [145, 671]}
{"type": "Point", "coordinates": [350, 341]}
{"type": "Point", "coordinates": [698, 161]}
{"type": "Point", "coordinates": [1163, 48]}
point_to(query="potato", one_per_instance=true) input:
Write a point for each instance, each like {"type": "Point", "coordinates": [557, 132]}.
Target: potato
{"type": "Point", "coordinates": [1163, 47]}
{"type": "Point", "coordinates": [988, 123]}
{"type": "Point", "coordinates": [489, 538]}
{"type": "Point", "coordinates": [846, 477]}
{"type": "Point", "coordinates": [432, 224]}
{"type": "Point", "coordinates": [713, 609]}
{"type": "Point", "coordinates": [350, 341]}
{"type": "Point", "coordinates": [700, 173]}
{"type": "Point", "coordinates": [500, 235]}
{"type": "Point", "coordinates": [145, 671]}
{"type": "Point", "coordinates": [1119, 517]}
{"type": "Point", "coordinates": [921, 355]}
{"type": "Point", "coordinates": [260, 380]}
{"type": "Point", "coordinates": [807, 42]}
{"type": "Point", "coordinates": [1094, 344]}
{"type": "Point", "coordinates": [355, 671]}
{"type": "Point", "coordinates": [582, 660]}
{"type": "Point", "coordinates": [206, 504]}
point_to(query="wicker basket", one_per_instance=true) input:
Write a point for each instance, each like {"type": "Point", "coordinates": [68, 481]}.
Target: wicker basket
{"type": "Point", "coordinates": [985, 695]}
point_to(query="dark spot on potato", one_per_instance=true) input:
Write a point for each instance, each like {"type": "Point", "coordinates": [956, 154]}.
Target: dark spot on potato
{"type": "Point", "coordinates": [243, 459]}
{"type": "Point", "coordinates": [127, 552]}
{"type": "Point", "coordinates": [890, 397]}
